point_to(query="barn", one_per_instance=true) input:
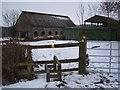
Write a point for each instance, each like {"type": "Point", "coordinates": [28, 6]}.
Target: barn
{"type": "Point", "coordinates": [95, 28]}
{"type": "Point", "coordinates": [33, 25]}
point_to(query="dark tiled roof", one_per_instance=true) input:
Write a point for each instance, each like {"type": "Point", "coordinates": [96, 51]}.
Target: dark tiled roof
{"type": "Point", "coordinates": [47, 20]}
{"type": "Point", "coordinates": [100, 19]}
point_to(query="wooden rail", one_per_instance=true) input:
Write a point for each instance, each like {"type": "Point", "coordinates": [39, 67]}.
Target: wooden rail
{"type": "Point", "coordinates": [41, 62]}
{"type": "Point", "coordinates": [50, 46]}
{"type": "Point", "coordinates": [52, 71]}
{"type": "Point", "coordinates": [55, 46]}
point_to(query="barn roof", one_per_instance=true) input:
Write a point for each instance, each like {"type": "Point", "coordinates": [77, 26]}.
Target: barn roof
{"type": "Point", "coordinates": [47, 20]}
{"type": "Point", "coordinates": [100, 19]}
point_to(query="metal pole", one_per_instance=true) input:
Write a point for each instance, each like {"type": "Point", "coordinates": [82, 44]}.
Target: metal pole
{"type": "Point", "coordinates": [110, 56]}
{"type": "Point", "coordinates": [110, 50]}
{"type": "Point", "coordinates": [119, 63]}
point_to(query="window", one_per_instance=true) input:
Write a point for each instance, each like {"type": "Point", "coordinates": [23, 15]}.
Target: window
{"type": "Point", "coordinates": [61, 33]}
{"type": "Point", "coordinates": [35, 33]}
{"type": "Point", "coordinates": [50, 33]}
{"type": "Point", "coordinates": [56, 33]}
{"type": "Point", "coordinates": [42, 33]}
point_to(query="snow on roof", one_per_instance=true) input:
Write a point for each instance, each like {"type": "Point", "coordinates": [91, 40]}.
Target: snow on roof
{"type": "Point", "coordinates": [47, 20]}
{"type": "Point", "coordinates": [62, 18]}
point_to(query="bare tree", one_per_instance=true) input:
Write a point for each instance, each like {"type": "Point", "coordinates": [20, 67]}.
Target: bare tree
{"type": "Point", "coordinates": [107, 7]}
{"type": "Point", "coordinates": [90, 9]}
{"type": "Point", "coordinates": [117, 9]}
{"type": "Point", "coordinates": [111, 8]}
{"type": "Point", "coordinates": [10, 17]}
{"type": "Point", "coordinates": [78, 16]}
{"type": "Point", "coordinates": [93, 8]}
{"type": "Point", "coordinates": [80, 12]}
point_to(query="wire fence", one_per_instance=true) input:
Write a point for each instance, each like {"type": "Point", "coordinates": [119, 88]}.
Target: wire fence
{"type": "Point", "coordinates": [104, 57]}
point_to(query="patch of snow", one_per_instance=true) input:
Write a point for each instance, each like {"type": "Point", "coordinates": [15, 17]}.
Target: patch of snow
{"type": "Point", "coordinates": [102, 44]}
{"type": "Point", "coordinates": [37, 83]}
{"type": "Point", "coordinates": [58, 17]}
{"type": "Point", "coordinates": [48, 42]}
{"type": "Point", "coordinates": [70, 80]}
{"type": "Point", "coordinates": [0, 87]}
{"type": "Point", "coordinates": [5, 38]}
{"type": "Point", "coordinates": [61, 53]}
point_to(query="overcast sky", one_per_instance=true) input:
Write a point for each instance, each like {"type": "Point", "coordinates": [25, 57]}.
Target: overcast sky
{"type": "Point", "coordinates": [62, 8]}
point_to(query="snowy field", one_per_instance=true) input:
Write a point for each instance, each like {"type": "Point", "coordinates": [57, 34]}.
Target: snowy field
{"type": "Point", "coordinates": [72, 79]}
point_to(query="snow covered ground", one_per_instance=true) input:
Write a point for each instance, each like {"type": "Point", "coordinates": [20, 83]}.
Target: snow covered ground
{"type": "Point", "coordinates": [5, 38]}
{"type": "Point", "coordinates": [72, 79]}
{"type": "Point", "coordinates": [105, 53]}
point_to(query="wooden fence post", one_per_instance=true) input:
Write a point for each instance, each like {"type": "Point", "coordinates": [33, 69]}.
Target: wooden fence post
{"type": "Point", "coordinates": [29, 66]}
{"type": "Point", "coordinates": [82, 56]}
{"type": "Point", "coordinates": [54, 63]}
{"type": "Point", "coordinates": [59, 72]}
{"type": "Point", "coordinates": [47, 73]}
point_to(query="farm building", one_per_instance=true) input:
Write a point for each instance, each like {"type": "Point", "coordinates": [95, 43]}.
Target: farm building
{"type": "Point", "coordinates": [95, 28]}
{"type": "Point", "coordinates": [32, 25]}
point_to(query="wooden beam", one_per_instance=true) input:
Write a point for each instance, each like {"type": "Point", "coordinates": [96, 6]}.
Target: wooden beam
{"type": "Point", "coordinates": [55, 46]}
{"type": "Point", "coordinates": [39, 62]}
{"type": "Point", "coordinates": [61, 61]}
{"type": "Point", "coordinates": [43, 71]}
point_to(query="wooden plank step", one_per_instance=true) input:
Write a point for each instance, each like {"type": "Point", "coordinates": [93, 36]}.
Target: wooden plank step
{"type": "Point", "coordinates": [53, 75]}
{"type": "Point", "coordinates": [50, 66]}
{"type": "Point", "coordinates": [53, 71]}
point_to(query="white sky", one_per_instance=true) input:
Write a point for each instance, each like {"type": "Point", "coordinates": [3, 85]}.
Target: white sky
{"type": "Point", "coordinates": [63, 7]}
{"type": "Point", "coordinates": [53, 0]}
